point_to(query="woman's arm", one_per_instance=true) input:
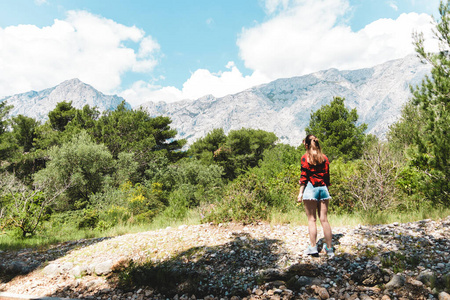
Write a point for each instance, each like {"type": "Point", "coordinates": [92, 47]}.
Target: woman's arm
{"type": "Point", "coordinates": [300, 194]}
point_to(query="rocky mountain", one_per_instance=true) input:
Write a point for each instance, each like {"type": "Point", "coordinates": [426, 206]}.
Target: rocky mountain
{"type": "Point", "coordinates": [284, 105]}
{"type": "Point", "coordinates": [38, 104]}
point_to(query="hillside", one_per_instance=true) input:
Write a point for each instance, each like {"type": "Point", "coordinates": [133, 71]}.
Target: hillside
{"type": "Point", "coordinates": [232, 261]}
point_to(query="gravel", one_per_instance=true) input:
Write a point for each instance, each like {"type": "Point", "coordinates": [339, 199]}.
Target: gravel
{"type": "Point", "coordinates": [235, 261]}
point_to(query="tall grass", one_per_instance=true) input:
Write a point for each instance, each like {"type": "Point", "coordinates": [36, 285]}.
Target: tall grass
{"type": "Point", "coordinates": [295, 216]}
{"type": "Point", "coordinates": [298, 217]}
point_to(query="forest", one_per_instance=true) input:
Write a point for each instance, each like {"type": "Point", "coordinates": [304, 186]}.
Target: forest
{"type": "Point", "coordinates": [96, 173]}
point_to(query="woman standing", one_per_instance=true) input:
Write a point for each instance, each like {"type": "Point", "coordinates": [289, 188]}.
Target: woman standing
{"type": "Point", "coordinates": [314, 182]}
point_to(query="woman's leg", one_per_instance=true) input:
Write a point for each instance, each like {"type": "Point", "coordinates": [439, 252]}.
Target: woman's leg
{"type": "Point", "coordinates": [311, 209]}
{"type": "Point", "coordinates": [323, 217]}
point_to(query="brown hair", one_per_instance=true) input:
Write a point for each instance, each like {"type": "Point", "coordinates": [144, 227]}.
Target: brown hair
{"type": "Point", "coordinates": [315, 155]}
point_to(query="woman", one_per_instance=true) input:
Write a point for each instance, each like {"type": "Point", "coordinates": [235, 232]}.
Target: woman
{"type": "Point", "coordinates": [314, 182]}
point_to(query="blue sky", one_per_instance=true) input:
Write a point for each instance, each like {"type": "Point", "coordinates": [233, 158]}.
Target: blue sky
{"type": "Point", "coordinates": [177, 49]}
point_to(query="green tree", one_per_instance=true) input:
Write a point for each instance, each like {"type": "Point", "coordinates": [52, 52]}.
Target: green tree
{"type": "Point", "coordinates": [82, 162]}
{"type": "Point", "coordinates": [426, 117]}
{"type": "Point", "coordinates": [24, 131]}
{"type": "Point", "coordinates": [63, 113]}
{"type": "Point", "coordinates": [134, 131]}
{"type": "Point", "coordinates": [337, 129]}
{"type": "Point", "coordinates": [6, 141]}
{"type": "Point", "coordinates": [204, 148]}
{"type": "Point", "coordinates": [236, 152]}
{"type": "Point", "coordinates": [243, 150]}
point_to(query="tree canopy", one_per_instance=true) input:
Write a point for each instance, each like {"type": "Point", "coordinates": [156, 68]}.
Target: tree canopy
{"type": "Point", "coordinates": [424, 127]}
{"type": "Point", "coordinates": [337, 129]}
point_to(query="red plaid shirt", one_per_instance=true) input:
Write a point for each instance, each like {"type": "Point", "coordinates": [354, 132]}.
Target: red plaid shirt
{"type": "Point", "coordinates": [318, 175]}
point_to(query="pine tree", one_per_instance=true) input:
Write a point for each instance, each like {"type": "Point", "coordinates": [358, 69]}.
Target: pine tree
{"type": "Point", "coordinates": [336, 128]}
{"type": "Point", "coordinates": [431, 149]}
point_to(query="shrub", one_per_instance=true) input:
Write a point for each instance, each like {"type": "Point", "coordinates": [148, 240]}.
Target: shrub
{"type": "Point", "coordinates": [90, 219]}
{"type": "Point", "coordinates": [340, 190]}
{"type": "Point", "coordinates": [245, 200]}
{"type": "Point", "coordinates": [373, 186]}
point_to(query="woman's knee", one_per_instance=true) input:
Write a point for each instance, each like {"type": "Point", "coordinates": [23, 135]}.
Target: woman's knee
{"type": "Point", "coordinates": [323, 219]}
{"type": "Point", "coordinates": [312, 219]}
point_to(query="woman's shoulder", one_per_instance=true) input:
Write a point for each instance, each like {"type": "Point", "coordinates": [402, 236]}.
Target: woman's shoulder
{"type": "Point", "coordinates": [304, 158]}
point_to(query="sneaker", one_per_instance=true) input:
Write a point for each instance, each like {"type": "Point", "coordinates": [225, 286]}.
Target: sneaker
{"type": "Point", "coordinates": [311, 250]}
{"type": "Point", "coordinates": [329, 251]}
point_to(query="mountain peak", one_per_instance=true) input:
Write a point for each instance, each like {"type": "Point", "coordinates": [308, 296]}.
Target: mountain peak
{"type": "Point", "coordinates": [37, 105]}
{"type": "Point", "coordinates": [73, 80]}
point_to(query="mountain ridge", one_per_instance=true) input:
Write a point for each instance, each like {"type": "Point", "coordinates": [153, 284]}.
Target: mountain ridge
{"type": "Point", "coordinates": [282, 106]}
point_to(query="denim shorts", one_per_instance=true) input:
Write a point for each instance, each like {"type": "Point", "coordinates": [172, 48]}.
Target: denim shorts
{"type": "Point", "coordinates": [317, 193]}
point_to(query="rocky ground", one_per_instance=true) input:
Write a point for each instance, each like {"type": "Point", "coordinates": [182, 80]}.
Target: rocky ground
{"type": "Point", "coordinates": [232, 261]}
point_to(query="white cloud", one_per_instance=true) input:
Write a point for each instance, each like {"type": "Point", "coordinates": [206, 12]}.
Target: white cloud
{"type": "Point", "coordinates": [309, 36]}
{"type": "Point", "coordinates": [273, 5]}
{"type": "Point", "coordinates": [302, 36]}
{"type": "Point", "coordinates": [83, 45]}
{"type": "Point", "coordinates": [202, 82]}
{"type": "Point", "coordinates": [393, 5]}
{"type": "Point", "coordinates": [299, 37]}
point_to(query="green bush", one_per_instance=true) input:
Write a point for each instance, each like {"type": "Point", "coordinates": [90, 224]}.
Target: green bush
{"type": "Point", "coordinates": [246, 200]}
{"type": "Point", "coordinates": [341, 173]}
{"type": "Point", "coordinates": [89, 220]}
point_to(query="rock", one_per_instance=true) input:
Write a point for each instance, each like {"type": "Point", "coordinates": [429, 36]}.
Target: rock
{"type": "Point", "coordinates": [51, 270]}
{"type": "Point", "coordinates": [427, 277]}
{"type": "Point", "coordinates": [272, 274]}
{"type": "Point", "coordinates": [397, 281]}
{"type": "Point", "coordinates": [299, 282]}
{"type": "Point", "coordinates": [303, 270]}
{"type": "Point", "coordinates": [103, 268]}
{"type": "Point", "coordinates": [66, 267]}
{"type": "Point", "coordinates": [364, 297]}
{"type": "Point", "coordinates": [76, 271]}
{"type": "Point", "coordinates": [277, 291]}
{"type": "Point", "coordinates": [443, 296]}
{"type": "Point", "coordinates": [370, 276]}
{"type": "Point", "coordinates": [321, 291]}
{"type": "Point", "coordinates": [258, 292]}
{"type": "Point", "coordinates": [416, 283]}
{"type": "Point", "coordinates": [385, 297]}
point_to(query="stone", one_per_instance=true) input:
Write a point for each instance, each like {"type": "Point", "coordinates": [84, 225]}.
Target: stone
{"type": "Point", "coordinates": [103, 268]}
{"type": "Point", "coordinates": [416, 283]}
{"type": "Point", "coordinates": [300, 282]}
{"type": "Point", "coordinates": [51, 270]}
{"type": "Point", "coordinates": [443, 296]}
{"type": "Point", "coordinates": [397, 281]}
{"type": "Point", "coordinates": [303, 270]}
{"type": "Point", "coordinates": [427, 277]}
{"type": "Point", "coordinates": [273, 274]}
{"type": "Point", "coordinates": [369, 276]}
{"type": "Point", "coordinates": [321, 291]}
{"type": "Point", "coordinates": [65, 267]}
{"type": "Point", "coordinates": [258, 292]}
{"type": "Point", "coordinates": [76, 271]}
